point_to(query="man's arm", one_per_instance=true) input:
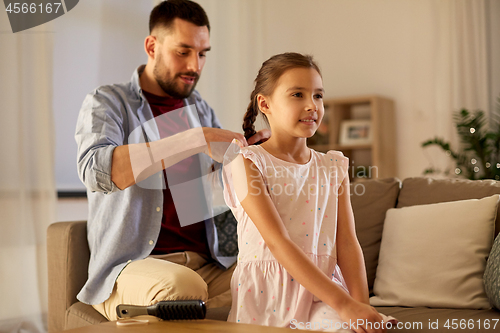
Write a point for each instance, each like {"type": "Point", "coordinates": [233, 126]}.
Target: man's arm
{"type": "Point", "coordinates": [99, 130]}
{"type": "Point", "coordinates": [105, 164]}
{"type": "Point", "coordinates": [135, 162]}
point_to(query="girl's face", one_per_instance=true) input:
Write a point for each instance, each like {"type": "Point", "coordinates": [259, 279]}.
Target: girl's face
{"type": "Point", "coordinates": [296, 105]}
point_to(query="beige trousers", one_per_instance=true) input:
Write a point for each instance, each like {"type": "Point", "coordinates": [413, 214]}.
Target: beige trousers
{"type": "Point", "coordinates": [182, 275]}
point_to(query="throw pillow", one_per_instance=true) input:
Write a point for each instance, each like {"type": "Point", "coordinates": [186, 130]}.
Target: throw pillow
{"type": "Point", "coordinates": [492, 275]}
{"type": "Point", "coordinates": [435, 255]}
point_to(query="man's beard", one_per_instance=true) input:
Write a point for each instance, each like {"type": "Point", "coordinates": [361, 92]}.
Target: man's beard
{"type": "Point", "coordinates": [168, 83]}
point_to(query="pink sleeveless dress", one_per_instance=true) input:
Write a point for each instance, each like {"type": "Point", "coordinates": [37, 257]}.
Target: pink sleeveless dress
{"type": "Point", "coordinates": [306, 197]}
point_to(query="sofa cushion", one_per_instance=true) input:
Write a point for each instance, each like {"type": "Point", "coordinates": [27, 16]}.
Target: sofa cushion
{"type": "Point", "coordinates": [421, 319]}
{"type": "Point", "coordinates": [370, 200]}
{"type": "Point", "coordinates": [67, 260]}
{"type": "Point", "coordinates": [422, 191]}
{"type": "Point", "coordinates": [80, 314]}
{"type": "Point", "coordinates": [492, 274]}
{"type": "Point", "coordinates": [435, 255]}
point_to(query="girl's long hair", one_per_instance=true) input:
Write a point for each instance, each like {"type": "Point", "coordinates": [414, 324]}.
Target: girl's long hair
{"type": "Point", "coordinates": [266, 80]}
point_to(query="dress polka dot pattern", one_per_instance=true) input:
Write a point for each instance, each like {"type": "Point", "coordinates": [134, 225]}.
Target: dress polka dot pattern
{"type": "Point", "coordinates": [306, 198]}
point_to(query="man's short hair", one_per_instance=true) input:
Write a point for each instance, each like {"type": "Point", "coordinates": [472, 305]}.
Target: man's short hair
{"type": "Point", "coordinates": [163, 14]}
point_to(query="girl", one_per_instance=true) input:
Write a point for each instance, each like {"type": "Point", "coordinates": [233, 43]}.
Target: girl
{"type": "Point", "coordinates": [295, 221]}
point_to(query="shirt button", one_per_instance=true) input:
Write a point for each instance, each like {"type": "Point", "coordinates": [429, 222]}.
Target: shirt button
{"type": "Point", "coordinates": [157, 209]}
{"type": "Point", "coordinates": [151, 242]}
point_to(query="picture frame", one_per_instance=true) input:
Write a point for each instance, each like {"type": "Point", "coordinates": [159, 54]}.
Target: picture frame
{"type": "Point", "coordinates": [355, 132]}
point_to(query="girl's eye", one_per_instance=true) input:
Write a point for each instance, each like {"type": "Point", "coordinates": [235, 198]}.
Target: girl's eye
{"type": "Point", "coordinates": [320, 96]}
{"type": "Point", "coordinates": [297, 94]}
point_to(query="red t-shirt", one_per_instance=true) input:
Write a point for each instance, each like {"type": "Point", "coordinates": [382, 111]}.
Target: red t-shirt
{"type": "Point", "coordinates": [173, 237]}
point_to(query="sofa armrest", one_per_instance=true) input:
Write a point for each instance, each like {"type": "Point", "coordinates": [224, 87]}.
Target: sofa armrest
{"type": "Point", "coordinates": [67, 258]}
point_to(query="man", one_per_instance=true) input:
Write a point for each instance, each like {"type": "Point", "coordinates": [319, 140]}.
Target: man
{"type": "Point", "coordinates": [127, 136]}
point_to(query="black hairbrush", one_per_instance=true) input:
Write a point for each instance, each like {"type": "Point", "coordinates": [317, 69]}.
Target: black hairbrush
{"type": "Point", "coordinates": [166, 310]}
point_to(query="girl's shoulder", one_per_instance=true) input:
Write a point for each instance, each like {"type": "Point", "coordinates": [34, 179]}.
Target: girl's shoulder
{"type": "Point", "coordinates": [331, 156]}
{"type": "Point", "coordinates": [335, 161]}
{"type": "Point", "coordinates": [255, 154]}
{"type": "Point", "coordinates": [252, 152]}
{"type": "Point", "coordinates": [253, 149]}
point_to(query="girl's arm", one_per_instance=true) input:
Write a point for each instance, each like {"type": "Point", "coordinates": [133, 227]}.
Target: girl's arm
{"type": "Point", "coordinates": [349, 254]}
{"type": "Point", "coordinates": [252, 194]}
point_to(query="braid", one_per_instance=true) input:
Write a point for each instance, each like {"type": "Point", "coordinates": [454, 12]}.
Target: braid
{"type": "Point", "coordinates": [250, 117]}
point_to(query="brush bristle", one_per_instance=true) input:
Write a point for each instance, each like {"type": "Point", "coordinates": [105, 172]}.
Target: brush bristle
{"type": "Point", "coordinates": [178, 310]}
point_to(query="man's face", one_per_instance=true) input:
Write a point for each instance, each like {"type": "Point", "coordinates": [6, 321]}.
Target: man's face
{"type": "Point", "coordinates": [180, 57]}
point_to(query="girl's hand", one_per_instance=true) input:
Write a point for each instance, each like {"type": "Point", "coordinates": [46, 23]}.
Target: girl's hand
{"type": "Point", "coordinates": [360, 313]}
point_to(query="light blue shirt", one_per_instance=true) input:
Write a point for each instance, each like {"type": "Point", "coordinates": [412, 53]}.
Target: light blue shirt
{"type": "Point", "coordinates": [123, 225]}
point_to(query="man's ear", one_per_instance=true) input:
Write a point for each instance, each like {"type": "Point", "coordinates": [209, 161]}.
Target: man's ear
{"type": "Point", "coordinates": [150, 44]}
{"type": "Point", "coordinates": [263, 104]}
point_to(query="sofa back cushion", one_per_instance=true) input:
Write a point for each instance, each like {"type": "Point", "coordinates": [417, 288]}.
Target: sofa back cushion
{"type": "Point", "coordinates": [370, 201]}
{"type": "Point", "coordinates": [422, 191]}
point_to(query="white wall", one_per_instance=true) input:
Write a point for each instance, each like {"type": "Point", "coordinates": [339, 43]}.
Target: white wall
{"type": "Point", "coordinates": [96, 43]}
{"type": "Point", "coordinates": [386, 47]}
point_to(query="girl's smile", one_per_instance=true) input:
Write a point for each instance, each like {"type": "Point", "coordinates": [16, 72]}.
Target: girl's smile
{"type": "Point", "coordinates": [309, 120]}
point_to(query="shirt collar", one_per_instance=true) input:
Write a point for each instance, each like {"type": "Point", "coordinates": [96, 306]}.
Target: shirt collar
{"type": "Point", "coordinates": [136, 84]}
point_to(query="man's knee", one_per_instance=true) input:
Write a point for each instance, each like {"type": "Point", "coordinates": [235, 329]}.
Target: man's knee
{"type": "Point", "coordinates": [148, 281]}
{"type": "Point", "coordinates": [183, 283]}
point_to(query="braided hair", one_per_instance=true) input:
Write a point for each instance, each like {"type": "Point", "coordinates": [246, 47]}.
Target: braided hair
{"type": "Point", "coordinates": [266, 81]}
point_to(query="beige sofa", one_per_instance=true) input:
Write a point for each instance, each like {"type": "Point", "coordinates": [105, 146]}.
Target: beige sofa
{"type": "Point", "coordinates": [68, 252]}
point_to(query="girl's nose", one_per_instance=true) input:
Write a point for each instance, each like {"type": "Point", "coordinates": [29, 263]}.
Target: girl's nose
{"type": "Point", "coordinates": [312, 106]}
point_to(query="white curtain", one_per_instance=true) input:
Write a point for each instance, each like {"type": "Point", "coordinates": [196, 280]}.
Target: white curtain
{"type": "Point", "coordinates": [462, 68]}
{"type": "Point", "coordinates": [462, 56]}
{"type": "Point", "coordinates": [27, 190]}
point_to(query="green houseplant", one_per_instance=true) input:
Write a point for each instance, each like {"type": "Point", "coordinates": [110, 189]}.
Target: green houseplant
{"type": "Point", "coordinates": [479, 154]}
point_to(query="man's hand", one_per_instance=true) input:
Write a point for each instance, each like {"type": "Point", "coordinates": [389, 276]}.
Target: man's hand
{"type": "Point", "coordinates": [222, 135]}
{"type": "Point", "coordinates": [262, 136]}
{"type": "Point", "coordinates": [218, 140]}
